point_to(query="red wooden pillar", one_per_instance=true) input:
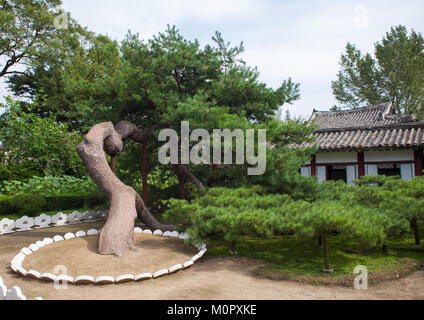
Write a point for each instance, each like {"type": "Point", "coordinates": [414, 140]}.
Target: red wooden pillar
{"type": "Point", "coordinates": [361, 165]}
{"type": "Point", "coordinates": [418, 161]}
{"type": "Point", "coordinates": [144, 172]}
{"type": "Point", "coordinates": [113, 164]}
{"type": "Point", "coordinates": [314, 166]}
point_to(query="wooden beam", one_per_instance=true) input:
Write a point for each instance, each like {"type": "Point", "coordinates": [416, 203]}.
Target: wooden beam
{"type": "Point", "coordinates": [314, 166]}
{"type": "Point", "coordinates": [361, 165]}
{"type": "Point", "coordinates": [418, 161]}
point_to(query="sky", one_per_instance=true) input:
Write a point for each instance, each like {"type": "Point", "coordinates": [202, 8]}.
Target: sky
{"type": "Point", "coordinates": [299, 39]}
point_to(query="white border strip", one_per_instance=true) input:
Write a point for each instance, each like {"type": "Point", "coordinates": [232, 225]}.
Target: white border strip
{"type": "Point", "coordinates": [16, 263]}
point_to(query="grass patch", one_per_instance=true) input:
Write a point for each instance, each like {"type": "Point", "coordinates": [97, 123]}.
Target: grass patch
{"type": "Point", "coordinates": [288, 258]}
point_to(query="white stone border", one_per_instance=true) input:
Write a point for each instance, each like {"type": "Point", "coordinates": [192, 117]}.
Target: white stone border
{"type": "Point", "coordinates": [16, 263]}
{"type": "Point", "coordinates": [14, 293]}
{"type": "Point", "coordinates": [25, 223]}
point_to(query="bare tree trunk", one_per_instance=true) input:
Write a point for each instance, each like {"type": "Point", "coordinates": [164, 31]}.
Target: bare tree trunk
{"type": "Point", "coordinates": [415, 228]}
{"type": "Point", "coordinates": [181, 181]}
{"type": "Point", "coordinates": [144, 173]}
{"type": "Point", "coordinates": [325, 247]}
{"type": "Point", "coordinates": [117, 234]}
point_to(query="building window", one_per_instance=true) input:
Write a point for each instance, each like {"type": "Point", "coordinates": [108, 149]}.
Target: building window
{"type": "Point", "coordinates": [389, 169]}
{"type": "Point", "coordinates": [336, 173]}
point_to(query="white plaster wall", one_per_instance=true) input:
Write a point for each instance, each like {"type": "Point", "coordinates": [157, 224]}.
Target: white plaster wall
{"type": "Point", "coordinates": [305, 171]}
{"type": "Point", "coordinates": [371, 169]}
{"type": "Point", "coordinates": [407, 171]}
{"type": "Point", "coordinates": [397, 155]}
{"type": "Point", "coordinates": [321, 174]}
{"type": "Point", "coordinates": [351, 174]}
{"type": "Point", "coordinates": [336, 157]}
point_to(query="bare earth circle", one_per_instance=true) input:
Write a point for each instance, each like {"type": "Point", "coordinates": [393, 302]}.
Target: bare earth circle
{"type": "Point", "coordinates": [80, 257]}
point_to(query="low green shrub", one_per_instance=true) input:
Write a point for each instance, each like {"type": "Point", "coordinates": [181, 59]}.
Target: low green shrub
{"type": "Point", "coordinates": [28, 204]}
{"type": "Point", "coordinates": [33, 204]}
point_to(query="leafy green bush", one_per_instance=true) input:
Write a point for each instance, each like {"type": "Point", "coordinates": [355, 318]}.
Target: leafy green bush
{"type": "Point", "coordinates": [28, 204]}
{"type": "Point", "coordinates": [18, 172]}
{"type": "Point", "coordinates": [234, 213]}
{"type": "Point", "coordinates": [31, 205]}
{"type": "Point", "coordinates": [48, 186]}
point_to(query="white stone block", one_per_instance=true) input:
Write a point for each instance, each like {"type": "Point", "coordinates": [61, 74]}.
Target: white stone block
{"type": "Point", "coordinates": [33, 274]}
{"type": "Point", "coordinates": [58, 238]}
{"type": "Point", "coordinates": [34, 247]}
{"type": "Point", "coordinates": [201, 246]}
{"type": "Point", "coordinates": [40, 244]}
{"type": "Point", "coordinates": [92, 232]}
{"type": "Point", "coordinates": [14, 266]}
{"type": "Point", "coordinates": [69, 236]}
{"type": "Point", "coordinates": [48, 241]}
{"type": "Point", "coordinates": [167, 234]}
{"type": "Point", "coordinates": [175, 268]}
{"type": "Point", "coordinates": [26, 251]}
{"type": "Point", "coordinates": [22, 271]}
{"type": "Point", "coordinates": [43, 221]}
{"type": "Point", "coordinates": [125, 278]}
{"type": "Point", "coordinates": [89, 216]}
{"type": "Point", "coordinates": [64, 279]}
{"type": "Point", "coordinates": [143, 276]}
{"type": "Point", "coordinates": [202, 253]}
{"type": "Point", "coordinates": [102, 214]}
{"type": "Point", "coordinates": [75, 217]}
{"type": "Point", "coordinates": [147, 232]}
{"type": "Point", "coordinates": [38, 298]}
{"type": "Point", "coordinates": [85, 280]}
{"type": "Point", "coordinates": [1, 281]}
{"type": "Point", "coordinates": [20, 257]}
{"type": "Point", "coordinates": [24, 224]}
{"type": "Point", "coordinates": [188, 264]}
{"type": "Point", "coordinates": [175, 234]}
{"type": "Point", "coordinates": [48, 277]}
{"type": "Point", "coordinates": [158, 233]}
{"type": "Point", "coordinates": [6, 226]}
{"type": "Point", "coordinates": [105, 280]}
{"type": "Point", "coordinates": [15, 293]}
{"type": "Point", "coordinates": [3, 291]}
{"type": "Point", "coordinates": [196, 258]}
{"type": "Point", "coordinates": [59, 219]}
{"type": "Point", "coordinates": [183, 236]}
{"type": "Point", "coordinates": [80, 234]}
{"type": "Point", "coordinates": [138, 230]}
{"type": "Point", "coordinates": [160, 273]}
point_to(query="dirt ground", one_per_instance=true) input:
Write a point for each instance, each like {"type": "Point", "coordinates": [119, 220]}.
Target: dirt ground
{"type": "Point", "coordinates": [225, 278]}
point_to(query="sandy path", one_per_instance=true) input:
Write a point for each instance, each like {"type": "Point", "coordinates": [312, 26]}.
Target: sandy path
{"type": "Point", "coordinates": [211, 278]}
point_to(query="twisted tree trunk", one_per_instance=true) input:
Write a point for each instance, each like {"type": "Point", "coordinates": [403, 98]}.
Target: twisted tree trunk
{"type": "Point", "coordinates": [125, 203]}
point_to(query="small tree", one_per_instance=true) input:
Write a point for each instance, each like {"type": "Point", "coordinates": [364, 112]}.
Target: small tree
{"type": "Point", "coordinates": [28, 138]}
{"type": "Point", "coordinates": [230, 213]}
{"type": "Point", "coordinates": [401, 199]}
{"type": "Point", "coordinates": [325, 217]}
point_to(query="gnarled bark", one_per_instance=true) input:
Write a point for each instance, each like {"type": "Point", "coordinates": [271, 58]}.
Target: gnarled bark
{"type": "Point", "coordinates": [125, 203]}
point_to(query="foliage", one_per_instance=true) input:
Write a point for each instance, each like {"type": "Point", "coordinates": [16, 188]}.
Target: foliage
{"type": "Point", "coordinates": [234, 213]}
{"type": "Point", "coordinates": [401, 199]}
{"type": "Point", "coordinates": [30, 139]}
{"type": "Point", "coordinates": [395, 74]}
{"type": "Point", "coordinates": [19, 172]}
{"type": "Point", "coordinates": [25, 27]}
{"type": "Point", "coordinates": [34, 204]}
{"type": "Point", "coordinates": [48, 186]}
{"type": "Point", "coordinates": [28, 204]}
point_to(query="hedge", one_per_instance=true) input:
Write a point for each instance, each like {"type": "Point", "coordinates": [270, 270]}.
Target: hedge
{"type": "Point", "coordinates": [33, 205]}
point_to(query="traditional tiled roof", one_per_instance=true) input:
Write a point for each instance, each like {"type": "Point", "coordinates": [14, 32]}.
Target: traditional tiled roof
{"type": "Point", "coordinates": [375, 127]}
